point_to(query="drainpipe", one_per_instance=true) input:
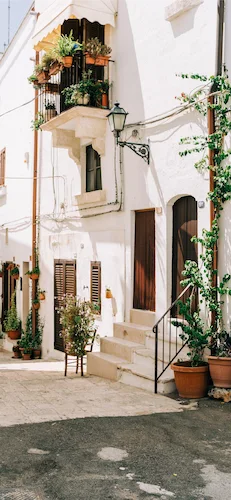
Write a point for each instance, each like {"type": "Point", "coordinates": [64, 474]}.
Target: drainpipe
{"type": "Point", "coordinates": [211, 130]}
{"type": "Point", "coordinates": [34, 204]}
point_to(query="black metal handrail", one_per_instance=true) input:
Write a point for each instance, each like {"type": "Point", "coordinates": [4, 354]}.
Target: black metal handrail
{"type": "Point", "coordinates": [178, 345]}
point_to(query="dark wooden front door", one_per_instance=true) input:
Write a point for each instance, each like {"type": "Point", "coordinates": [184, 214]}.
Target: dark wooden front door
{"type": "Point", "coordinates": [64, 283]}
{"type": "Point", "coordinates": [144, 272]}
{"type": "Point", "coordinates": [8, 287]}
{"type": "Point", "coordinates": [184, 227]}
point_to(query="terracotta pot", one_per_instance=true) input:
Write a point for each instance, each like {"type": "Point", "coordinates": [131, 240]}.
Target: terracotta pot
{"type": "Point", "coordinates": [17, 354]}
{"type": "Point", "coordinates": [55, 68]}
{"type": "Point", "coordinates": [108, 294]}
{"type": "Point", "coordinates": [42, 296]}
{"type": "Point", "coordinates": [36, 306]}
{"type": "Point", "coordinates": [98, 61]}
{"type": "Point", "coordinates": [220, 371]}
{"type": "Point", "coordinates": [104, 101]}
{"type": "Point", "coordinates": [36, 353]}
{"type": "Point", "coordinates": [191, 382]}
{"type": "Point", "coordinates": [67, 61]}
{"type": "Point", "coordinates": [26, 356]}
{"type": "Point", "coordinates": [34, 276]}
{"type": "Point", "coordinates": [43, 77]}
{"type": "Point", "coordinates": [14, 334]}
{"type": "Point", "coordinates": [15, 276]}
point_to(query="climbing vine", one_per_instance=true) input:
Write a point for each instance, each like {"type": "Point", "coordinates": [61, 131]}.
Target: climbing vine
{"type": "Point", "coordinates": [203, 278]}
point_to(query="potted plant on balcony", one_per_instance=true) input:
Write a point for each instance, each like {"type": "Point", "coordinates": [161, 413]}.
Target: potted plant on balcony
{"type": "Point", "coordinates": [104, 87]}
{"type": "Point", "coordinates": [50, 111]}
{"type": "Point", "coordinates": [33, 79]}
{"type": "Point", "coordinates": [66, 48]}
{"type": "Point", "coordinates": [12, 323]}
{"type": "Point", "coordinates": [85, 92]}
{"type": "Point", "coordinates": [39, 120]}
{"type": "Point", "coordinates": [15, 272]}
{"type": "Point", "coordinates": [191, 377]}
{"type": "Point", "coordinates": [52, 62]}
{"type": "Point", "coordinates": [42, 73]}
{"type": "Point", "coordinates": [96, 52]}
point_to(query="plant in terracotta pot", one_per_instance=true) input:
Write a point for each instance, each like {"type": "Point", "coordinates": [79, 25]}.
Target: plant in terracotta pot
{"type": "Point", "coordinates": [96, 52]}
{"type": "Point", "coordinates": [15, 272]}
{"type": "Point", "coordinates": [36, 303]}
{"type": "Point", "coordinates": [83, 92]}
{"type": "Point", "coordinates": [41, 294]}
{"type": "Point", "coordinates": [33, 79]}
{"type": "Point", "coordinates": [108, 293]}
{"type": "Point", "coordinates": [191, 376]}
{"type": "Point", "coordinates": [42, 73]}
{"type": "Point", "coordinates": [104, 87]}
{"type": "Point", "coordinates": [34, 273]}
{"type": "Point", "coordinates": [66, 48]}
{"type": "Point", "coordinates": [12, 323]}
{"type": "Point", "coordinates": [77, 322]}
{"type": "Point", "coordinates": [220, 361]}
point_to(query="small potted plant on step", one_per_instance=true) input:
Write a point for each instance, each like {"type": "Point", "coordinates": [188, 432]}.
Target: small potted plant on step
{"type": "Point", "coordinates": [66, 48]}
{"type": "Point", "coordinates": [191, 377]}
{"type": "Point", "coordinates": [12, 323]}
{"type": "Point", "coordinates": [16, 351]}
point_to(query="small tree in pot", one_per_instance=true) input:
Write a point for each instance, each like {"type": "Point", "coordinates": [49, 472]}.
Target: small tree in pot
{"type": "Point", "coordinates": [191, 376]}
{"type": "Point", "coordinates": [12, 323]}
{"type": "Point", "coordinates": [66, 48]}
{"type": "Point", "coordinates": [77, 321]}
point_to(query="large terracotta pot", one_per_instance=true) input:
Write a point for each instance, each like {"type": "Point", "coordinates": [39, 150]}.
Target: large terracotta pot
{"type": "Point", "coordinates": [97, 61]}
{"type": "Point", "coordinates": [191, 382]}
{"type": "Point", "coordinates": [104, 100]}
{"type": "Point", "coordinates": [14, 334]}
{"type": "Point", "coordinates": [220, 371]}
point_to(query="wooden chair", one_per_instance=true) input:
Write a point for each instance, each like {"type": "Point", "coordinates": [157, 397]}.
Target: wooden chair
{"type": "Point", "coordinates": [88, 348]}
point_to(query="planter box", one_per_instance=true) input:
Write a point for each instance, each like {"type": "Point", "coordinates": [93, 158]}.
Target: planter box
{"type": "Point", "coordinates": [97, 61]}
{"type": "Point", "coordinates": [55, 68]}
{"type": "Point", "coordinates": [43, 77]}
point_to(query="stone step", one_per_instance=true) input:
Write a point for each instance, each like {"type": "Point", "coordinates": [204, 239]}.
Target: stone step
{"type": "Point", "coordinates": [118, 369]}
{"type": "Point", "coordinates": [140, 317]}
{"type": "Point", "coordinates": [168, 341]}
{"type": "Point", "coordinates": [143, 378]}
{"type": "Point", "coordinates": [104, 365]}
{"type": "Point", "coordinates": [118, 347]}
{"type": "Point", "coordinates": [132, 332]}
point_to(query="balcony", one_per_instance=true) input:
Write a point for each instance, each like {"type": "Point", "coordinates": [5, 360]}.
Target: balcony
{"type": "Point", "coordinates": [73, 117]}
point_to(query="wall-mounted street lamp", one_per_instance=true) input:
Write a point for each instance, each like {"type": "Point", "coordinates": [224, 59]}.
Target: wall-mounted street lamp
{"type": "Point", "coordinates": [117, 118]}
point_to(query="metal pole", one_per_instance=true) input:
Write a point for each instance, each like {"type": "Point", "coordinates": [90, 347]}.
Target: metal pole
{"type": "Point", "coordinates": [34, 205]}
{"type": "Point", "coordinates": [155, 330]}
{"type": "Point", "coordinates": [8, 22]}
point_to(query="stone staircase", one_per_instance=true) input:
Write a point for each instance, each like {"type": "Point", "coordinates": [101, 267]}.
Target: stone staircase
{"type": "Point", "coordinates": [128, 356]}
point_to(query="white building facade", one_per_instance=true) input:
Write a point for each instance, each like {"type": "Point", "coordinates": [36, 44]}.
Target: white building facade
{"type": "Point", "coordinates": [120, 233]}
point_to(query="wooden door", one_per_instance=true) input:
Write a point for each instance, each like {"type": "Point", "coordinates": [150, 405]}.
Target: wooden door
{"type": "Point", "coordinates": [144, 271]}
{"type": "Point", "coordinates": [184, 227]}
{"type": "Point", "coordinates": [8, 287]}
{"type": "Point", "coordinates": [64, 283]}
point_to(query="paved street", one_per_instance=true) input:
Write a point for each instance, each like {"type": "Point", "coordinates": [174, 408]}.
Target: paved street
{"type": "Point", "coordinates": [142, 446]}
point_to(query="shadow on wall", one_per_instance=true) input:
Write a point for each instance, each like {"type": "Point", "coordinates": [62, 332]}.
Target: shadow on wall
{"type": "Point", "coordinates": [183, 23]}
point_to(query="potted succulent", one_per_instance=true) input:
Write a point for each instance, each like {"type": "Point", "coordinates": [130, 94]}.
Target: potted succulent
{"type": "Point", "coordinates": [16, 351]}
{"type": "Point", "coordinates": [15, 272]}
{"type": "Point", "coordinates": [12, 323]}
{"type": "Point", "coordinates": [66, 48]}
{"type": "Point", "coordinates": [77, 322]}
{"type": "Point", "coordinates": [34, 273]}
{"type": "Point", "coordinates": [50, 110]}
{"type": "Point", "coordinates": [191, 377]}
{"type": "Point", "coordinates": [220, 361]}
{"type": "Point", "coordinates": [96, 52]}
{"type": "Point", "coordinates": [108, 293]}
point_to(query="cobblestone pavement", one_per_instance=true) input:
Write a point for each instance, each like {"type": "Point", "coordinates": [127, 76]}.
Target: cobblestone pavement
{"type": "Point", "coordinates": [37, 391]}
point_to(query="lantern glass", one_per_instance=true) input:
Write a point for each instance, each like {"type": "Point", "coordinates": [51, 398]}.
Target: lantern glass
{"type": "Point", "coordinates": [117, 118]}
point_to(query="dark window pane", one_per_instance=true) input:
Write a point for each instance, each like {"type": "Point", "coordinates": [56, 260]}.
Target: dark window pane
{"type": "Point", "coordinates": [93, 170]}
{"type": "Point", "coordinates": [98, 179]}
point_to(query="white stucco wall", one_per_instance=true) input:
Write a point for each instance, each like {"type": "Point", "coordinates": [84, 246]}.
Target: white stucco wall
{"type": "Point", "coordinates": [148, 52]}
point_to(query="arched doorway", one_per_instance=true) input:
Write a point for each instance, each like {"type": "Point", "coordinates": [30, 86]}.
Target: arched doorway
{"type": "Point", "coordinates": [184, 227]}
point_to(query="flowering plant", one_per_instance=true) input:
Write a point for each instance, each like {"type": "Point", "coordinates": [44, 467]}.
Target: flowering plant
{"type": "Point", "coordinates": [77, 321]}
